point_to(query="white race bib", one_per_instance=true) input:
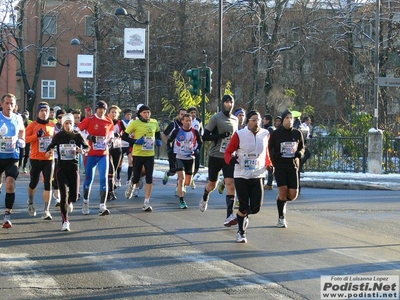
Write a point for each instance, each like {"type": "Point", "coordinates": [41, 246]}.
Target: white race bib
{"type": "Point", "coordinates": [148, 144]}
{"type": "Point", "coordinates": [44, 142]}
{"type": "Point", "coordinates": [288, 149]}
{"type": "Point", "coordinates": [224, 144]}
{"type": "Point", "coordinates": [67, 151]}
{"type": "Point", "coordinates": [6, 144]}
{"type": "Point", "coordinates": [100, 144]}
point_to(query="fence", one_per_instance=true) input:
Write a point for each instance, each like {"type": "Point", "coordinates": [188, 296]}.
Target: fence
{"type": "Point", "coordinates": [342, 154]}
{"type": "Point", "coordinates": [337, 154]}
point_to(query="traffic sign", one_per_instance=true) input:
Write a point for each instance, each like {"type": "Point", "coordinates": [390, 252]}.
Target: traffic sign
{"type": "Point", "coordinates": [389, 81]}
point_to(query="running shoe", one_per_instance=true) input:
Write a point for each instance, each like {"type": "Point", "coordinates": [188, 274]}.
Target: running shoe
{"type": "Point", "coordinates": [65, 226]}
{"type": "Point", "coordinates": [246, 222]}
{"type": "Point", "coordinates": [129, 191]}
{"type": "Point", "coordinates": [56, 195]}
{"type": "Point", "coordinates": [192, 184]}
{"type": "Point", "coordinates": [221, 186]}
{"type": "Point", "coordinates": [103, 211]}
{"type": "Point", "coordinates": [128, 182]}
{"type": "Point", "coordinates": [85, 207]}
{"type": "Point", "coordinates": [46, 215]}
{"type": "Point", "coordinates": [141, 183]}
{"type": "Point", "coordinates": [25, 170]}
{"type": "Point", "coordinates": [136, 192]}
{"type": "Point", "coordinates": [6, 221]}
{"type": "Point", "coordinates": [268, 187]}
{"type": "Point", "coordinates": [57, 204]}
{"type": "Point", "coordinates": [176, 191]}
{"type": "Point", "coordinates": [118, 183]}
{"type": "Point", "coordinates": [183, 204]}
{"type": "Point", "coordinates": [281, 223]}
{"type": "Point", "coordinates": [112, 196]}
{"type": "Point", "coordinates": [146, 206]}
{"type": "Point", "coordinates": [241, 237]}
{"type": "Point", "coordinates": [231, 220]}
{"type": "Point", "coordinates": [203, 205]}
{"type": "Point", "coordinates": [165, 179]}
{"type": "Point", "coordinates": [31, 210]}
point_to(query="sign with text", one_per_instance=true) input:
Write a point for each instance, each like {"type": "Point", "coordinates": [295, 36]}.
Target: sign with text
{"type": "Point", "coordinates": [85, 66]}
{"type": "Point", "coordinates": [389, 81]}
{"type": "Point", "coordinates": [135, 43]}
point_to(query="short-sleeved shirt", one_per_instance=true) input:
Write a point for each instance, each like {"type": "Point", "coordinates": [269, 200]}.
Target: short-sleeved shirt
{"type": "Point", "coordinates": [14, 124]}
{"type": "Point", "coordinates": [146, 130]}
{"type": "Point", "coordinates": [220, 123]}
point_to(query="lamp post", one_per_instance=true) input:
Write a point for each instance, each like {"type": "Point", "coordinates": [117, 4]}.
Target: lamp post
{"type": "Point", "coordinates": [52, 59]}
{"type": "Point", "coordinates": [77, 42]}
{"type": "Point", "coordinates": [122, 12]}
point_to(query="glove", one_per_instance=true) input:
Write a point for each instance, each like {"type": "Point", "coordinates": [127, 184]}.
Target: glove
{"type": "Point", "coordinates": [40, 133]}
{"type": "Point", "coordinates": [271, 169]}
{"type": "Point", "coordinates": [116, 135]}
{"type": "Point", "coordinates": [21, 143]}
{"type": "Point", "coordinates": [234, 161]}
{"type": "Point", "coordinates": [225, 134]}
{"type": "Point", "coordinates": [3, 129]}
{"type": "Point", "coordinates": [92, 138]}
{"type": "Point", "coordinates": [170, 150]}
{"type": "Point", "coordinates": [158, 143]}
{"type": "Point", "coordinates": [297, 154]}
{"type": "Point", "coordinates": [140, 141]}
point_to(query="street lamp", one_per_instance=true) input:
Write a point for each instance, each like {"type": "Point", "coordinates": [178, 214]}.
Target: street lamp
{"type": "Point", "coordinates": [77, 42]}
{"type": "Point", "coordinates": [122, 12]}
{"type": "Point", "coordinates": [52, 59]}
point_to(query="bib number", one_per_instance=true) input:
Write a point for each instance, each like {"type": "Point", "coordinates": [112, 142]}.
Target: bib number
{"type": "Point", "coordinates": [224, 144]}
{"type": "Point", "coordinates": [44, 142]}
{"type": "Point", "coordinates": [148, 144]}
{"type": "Point", "coordinates": [251, 162]}
{"type": "Point", "coordinates": [288, 149]}
{"type": "Point", "coordinates": [100, 143]}
{"type": "Point", "coordinates": [67, 151]}
{"type": "Point", "coordinates": [6, 145]}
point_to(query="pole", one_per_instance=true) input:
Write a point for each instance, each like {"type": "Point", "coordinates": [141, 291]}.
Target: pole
{"type": "Point", "coordinates": [147, 57]}
{"type": "Point", "coordinates": [221, 7]}
{"type": "Point", "coordinates": [94, 74]}
{"type": "Point", "coordinates": [68, 81]}
{"type": "Point", "coordinates": [376, 58]}
{"type": "Point", "coordinates": [203, 102]}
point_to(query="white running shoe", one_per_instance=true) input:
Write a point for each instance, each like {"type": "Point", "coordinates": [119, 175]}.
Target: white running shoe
{"type": "Point", "coordinates": [129, 191]}
{"type": "Point", "coordinates": [241, 237]}
{"type": "Point", "coordinates": [118, 183]}
{"type": "Point", "coordinates": [136, 192]}
{"type": "Point", "coordinates": [281, 223]}
{"type": "Point", "coordinates": [56, 195]}
{"type": "Point", "coordinates": [203, 205]}
{"type": "Point", "coordinates": [141, 183]}
{"type": "Point", "coordinates": [231, 220]}
{"type": "Point", "coordinates": [46, 215]}
{"type": "Point", "coordinates": [57, 204]}
{"type": "Point", "coordinates": [85, 207]}
{"type": "Point", "coordinates": [128, 182]}
{"type": "Point", "coordinates": [6, 221]}
{"type": "Point", "coordinates": [146, 206]}
{"type": "Point", "coordinates": [65, 226]}
{"type": "Point", "coordinates": [103, 211]}
{"type": "Point", "coordinates": [31, 210]}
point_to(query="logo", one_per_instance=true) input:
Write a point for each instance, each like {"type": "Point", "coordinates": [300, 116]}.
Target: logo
{"type": "Point", "coordinates": [360, 287]}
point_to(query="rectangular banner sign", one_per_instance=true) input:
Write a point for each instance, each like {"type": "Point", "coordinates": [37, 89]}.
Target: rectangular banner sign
{"type": "Point", "coordinates": [135, 43]}
{"type": "Point", "coordinates": [85, 66]}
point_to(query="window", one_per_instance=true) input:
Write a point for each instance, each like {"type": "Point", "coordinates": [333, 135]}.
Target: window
{"type": "Point", "coordinates": [50, 24]}
{"type": "Point", "coordinates": [89, 26]}
{"type": "Point", "coordinates": [48, 89]}
{"type": "Point", "coordinates": [51, 51]}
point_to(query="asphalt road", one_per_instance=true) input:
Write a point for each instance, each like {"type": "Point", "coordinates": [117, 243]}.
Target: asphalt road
{"type": "Point", "coordinates": [180, 254]}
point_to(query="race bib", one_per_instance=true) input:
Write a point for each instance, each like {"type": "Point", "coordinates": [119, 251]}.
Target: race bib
{"type": "Point", "coordinates": [101, 143]}
{"type": "Point", "coordinates": [288, 149]}
{"type": "Point", "coordinates": [186, 147]}
{"type": "Point", "coordinates": [224, 144]}
{"type": "Point", "coordinates": [6, 145]}
{"type": "Point", "coordinates": [44, 142]}
{"type": "Point", "coordinates": [251, 162]}
{"type": "Point", "coordinates": [148, 144]}
{"type": "Point", "coordinates": [67, 151]}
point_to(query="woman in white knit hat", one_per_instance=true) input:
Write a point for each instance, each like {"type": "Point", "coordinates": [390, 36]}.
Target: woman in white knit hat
{"type": "Point", "coordinates": [68, 143]}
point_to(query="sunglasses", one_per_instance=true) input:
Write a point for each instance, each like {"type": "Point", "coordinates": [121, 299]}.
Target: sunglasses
{"type": "Point", "coordinates": [59, 117]}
